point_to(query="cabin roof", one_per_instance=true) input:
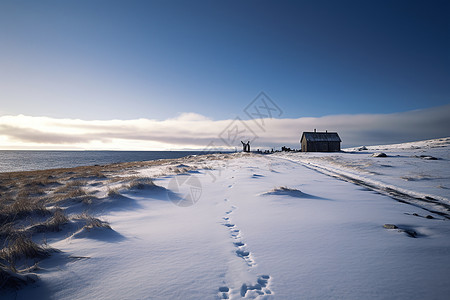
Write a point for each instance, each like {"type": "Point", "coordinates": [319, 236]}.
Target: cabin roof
{"type": "Point", "coordinates": [321, 137]}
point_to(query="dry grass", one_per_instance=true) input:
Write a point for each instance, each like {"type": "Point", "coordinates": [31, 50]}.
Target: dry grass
{"type": "Point", "coordinates": [97, 174]}
{"type": "Point", "coordinates": [6, 230]}
{"type": "Point", "coordinates": [76, 183]}
{"type": "Point", "coordinates": [41, 181]}
{"type": "Point", "coordinates": [31, 191]}
{"type": "Point", "coordinates": [19, 246]}
{"type": "Point", "coordinates": [71, 190]}
{"type": "Point", "coordinates": [113, 192]}
{"type": "Point", "coordinates": [91, 222]}
{"type": "Point", "coordinates": [180, 170]}
{"type": "Point", "coordinates": [58, 219]}
{"type": "Point", "coordinates": [96, 223]}
{"type": "Point", "coordinates": [87, 199]}
{"type": "Point", "coordinates": [141, 183]}
{"type": "Point", "coordinates": [53, 224]}
{"type": "Point", "coordinates": [283, 189]}
{"type": "Point", "coordinates": [78, 192]}
{"type": "Point", "coordinates": [12, 279]}
{"type": "Point", "coordinates": [24, 202]}
{"type": "Point", "coordinates": [70, 186]}
{"type": "Point", "coordinates": [19, 208]}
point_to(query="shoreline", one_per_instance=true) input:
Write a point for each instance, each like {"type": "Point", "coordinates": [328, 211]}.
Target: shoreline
{"type": "Point", "coordinates": [17, 161]}
{"type": "Point", "coordinates": [112, 167]}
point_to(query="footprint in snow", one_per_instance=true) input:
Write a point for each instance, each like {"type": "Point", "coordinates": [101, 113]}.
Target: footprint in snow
{"type": "Point", "coordinates": [224, 292]}
{"type": "Point", "coordinates": [246, 256]}
{"type": "Point", "coordinates": [231, 210]}
{"type": "Point", "coordinates": [260, 288]}
{"type": "Point", "coordinates": [239, 244]}
{"type": "Point", "coordinates": [236, 233]}
{"type": "Point", "coordinates": [242, 253]}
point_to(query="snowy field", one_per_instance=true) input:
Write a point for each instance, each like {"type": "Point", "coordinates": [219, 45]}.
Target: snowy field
{"type": "Point", "coordinates": [418, 172]}
{"type": "Point", "coordinates": [284, 226]}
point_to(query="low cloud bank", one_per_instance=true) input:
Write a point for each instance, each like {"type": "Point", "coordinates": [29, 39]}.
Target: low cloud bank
{"type": "Point", "coordinates": [193, 131]}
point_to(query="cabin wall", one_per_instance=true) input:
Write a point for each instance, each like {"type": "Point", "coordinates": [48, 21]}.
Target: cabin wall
{"type": "Point", "coordinates": [320, 146]}
{"type": "Point", "coordinates": [304, 145]}
{"type": "Point", "coordinates": [334, 146]}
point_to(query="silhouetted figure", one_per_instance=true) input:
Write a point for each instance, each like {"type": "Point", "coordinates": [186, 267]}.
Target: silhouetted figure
{"type": "Point", "coordinates": [246, 146]}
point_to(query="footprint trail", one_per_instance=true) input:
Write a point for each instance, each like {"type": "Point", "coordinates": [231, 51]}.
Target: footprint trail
{"type": "Point", "coordinates": [235, 233]}
{"type": "Point", "coordinates": [256, 290]}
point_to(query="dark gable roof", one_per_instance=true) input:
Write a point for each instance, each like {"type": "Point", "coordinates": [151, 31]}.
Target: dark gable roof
{"type": "Point", "coordinates": [321, 137]}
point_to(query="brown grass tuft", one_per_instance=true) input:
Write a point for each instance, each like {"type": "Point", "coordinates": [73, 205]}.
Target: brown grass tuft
{"type": "Point", "coordinates": [113, 192]}
{"type": "Point", "coordinates": [91, 222]}
{"type": "Point", "coordinates": [98, 174]}
{"type": "Point", "coordinates": [141, 183]}
{"type": "Point", "coordinates": [78, 192]}
{"type": "Point", "coordinates": [70, 186]}
{"type": "Point", "coordinates": [76, 183]}
{"type": "Point", "coordinates": [10, 279]}
{"type": "Point", "coordinates": [21, 246]}
{"type": "Point", "coordinates": [53, 224]}
{"type": "Point", "coordinates": [21, 208]}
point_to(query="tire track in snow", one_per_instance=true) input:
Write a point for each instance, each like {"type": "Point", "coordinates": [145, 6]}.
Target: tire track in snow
{"type": "Point", "coordinates": [427, 202]}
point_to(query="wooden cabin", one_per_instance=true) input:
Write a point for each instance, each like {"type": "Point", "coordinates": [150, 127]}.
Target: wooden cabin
{"type": "Point", "coordinates": [320, 141]}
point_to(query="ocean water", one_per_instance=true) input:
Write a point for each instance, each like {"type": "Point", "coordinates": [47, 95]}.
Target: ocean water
{"type": "Point", "coordinates": [11, 161]}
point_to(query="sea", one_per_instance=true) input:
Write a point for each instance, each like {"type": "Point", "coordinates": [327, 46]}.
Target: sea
{"type": "Point", "coordinates": [12, 161]}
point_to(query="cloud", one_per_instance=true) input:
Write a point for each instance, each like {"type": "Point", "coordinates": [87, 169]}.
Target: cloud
{"type": "Point", "coordinates": [191, 117]}
{"type": "Point", "coordinates": [194, 131]}
{"type": "Point", "coordinates": [31, 135]}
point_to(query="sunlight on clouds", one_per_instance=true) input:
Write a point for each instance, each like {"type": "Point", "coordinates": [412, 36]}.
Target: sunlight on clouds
{"type": "Point", "coordinates": [190, 117]}
{"type": "Point", "coordinates": [194, 131]}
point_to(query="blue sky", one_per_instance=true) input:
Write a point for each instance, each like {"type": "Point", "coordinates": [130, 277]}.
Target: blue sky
{"type": "Point", "coordinates": [131, 59]}
{"type": "Point", "coordinates": [124, 60]}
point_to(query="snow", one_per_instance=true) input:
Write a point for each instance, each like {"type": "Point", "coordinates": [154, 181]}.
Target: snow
{"type": "Point", "coordinates": [417, 172]}
{"type": "Point", "coordinates": [267, 227]}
